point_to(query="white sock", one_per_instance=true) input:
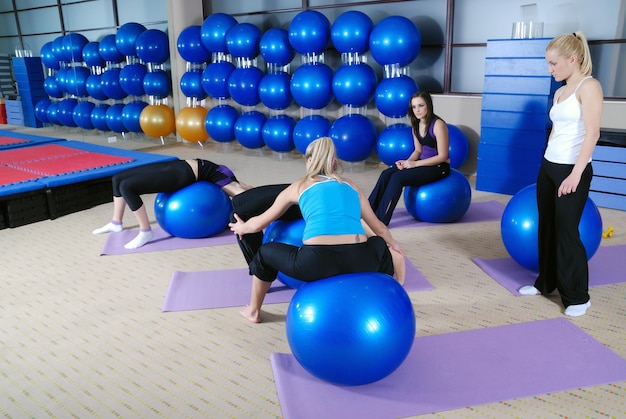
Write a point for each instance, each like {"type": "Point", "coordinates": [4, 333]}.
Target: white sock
{"type": "Point", "coordinates": [142, 238]}
{"type": "Point", "coordinates": [112, 227]}
{"type": "Point", "coordinates": [576, 310]}
{"type": "Point", "coordinates": [529, 290]}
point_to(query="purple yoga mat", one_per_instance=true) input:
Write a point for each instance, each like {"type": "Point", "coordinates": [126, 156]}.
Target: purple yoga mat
{"type": "Point", "coordinates": [115, 242]}
{"type": "Point", "coordinates": [606, 267]}
{"type": "Point", "coordinates": [477, 211]}
{"type": "Point", "coordinates": [231, 288]}
{"type": "Point", "coordinates": [452, 371]}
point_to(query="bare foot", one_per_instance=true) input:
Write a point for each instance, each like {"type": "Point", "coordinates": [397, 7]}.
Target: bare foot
{"type": "Point", "coordinates": [399, 265]}
{"type": "Point", "coordinates": [253, 315]}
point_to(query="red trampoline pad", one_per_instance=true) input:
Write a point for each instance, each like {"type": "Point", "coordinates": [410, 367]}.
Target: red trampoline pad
{"type": "Point", "coordinates": [41, 152]}
{"type": "Point", "coordinates": [11, 140]}
{"type": "Point", "coordinates": [73, 163]}
{"type": "Point", "coordinates": [9, 176]}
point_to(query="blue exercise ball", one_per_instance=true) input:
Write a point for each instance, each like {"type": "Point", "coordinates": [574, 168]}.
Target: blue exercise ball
{"type": "Point", "coordinates": [309, 32]}
{"type": "Point", "coordinates": [82, 114]}
{"type": "Point", "coordinates": [114, 118]}
{"type": "Point", "coordinates": [153, 47]}
{"type": "Point", "coordinates": [93, 84]}
{"type": "Point", "coordinates": [76, 81]}
{"type": "Point", "coordinates": [41, 109]}
{"type": "Point", "coordinates": [309, 129]}
{"type": "Point", "coordinates": [443, 201]}
{"type": "Point", "coordinates": [519, 228]}
{"type": "Point", "coordinates": [199, 210]}
{"type": "Point", "coordinates": [131, 79]}
{"type": "Point", "coordinates": [130, 115]}
{"type": "Point", "coordinates": [459, 146]}
{"type": "Point", "coordinates": [108, 50]}
{"type": "Point", "coordinates": [275, 90]}
{"type": "Point", "coordinates": [395, 40]}
{"type": "Point", "coordinates": [73, 44]}
{"type": "Point", "coordinates": [350, 32]}
{"type": "Point", "coordinates": [53, 113]}
{"type": "Point", "coordinates": [62, 79]}
{"type": "Point", "coordinates": [191, 84]}
{"type": "Point", "coordinates": [249, 129]}
{"type": "Point", "coordinates": [66, 111]}
{"type": "Point", "coordinates": [48, 58]}
{"type": "Point", "coordinates": [354, 136]}
{"type": "Point", "coordinates": [157, 83]}
{"type": "Point", "coordinates": [57, 49]}
{"type": "Point", "coordinates": [51, 86]}
{"type": "Point", "coordinates": [110, 81]}
{"type": "Point", "coordinates": [351, 329]}
{"type": "Point", "coordinates": [288, 232]}
{"type": "Point", "coordinates": [190, 47]}
{"type": "Point", "coordinates": [278, 133]}
{"type": "Point", "coordinates": [126, 38]}
{"type": "Point", "coordinates": [215, 79]}
{"type": "Point", "coordinates": [311, 85]}
{"type": "Point", "coordinates": [243, 85]}
{"type": "Point", "coordinates": [220, 123]}
{"type": "Point", "coordinates": [91, 55]}
{"type": "Point", "coordinates": [213, 32]}
{"type": "Point", "coordinates": [395, 143]}
{"type": "Point", "coordinates": [275, 47]}
{"type": "Point", "coordinates": [99, 117]}
{"type": "Point", "coordinates": [242, 40]}
{"type": "Point", "coordinates": [354, 84]}
{"type": "Point", "coordinates": [392, 95]}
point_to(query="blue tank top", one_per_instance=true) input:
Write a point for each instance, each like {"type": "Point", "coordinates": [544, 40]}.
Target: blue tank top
{"type": "Point", "coordinates": [330, 207]}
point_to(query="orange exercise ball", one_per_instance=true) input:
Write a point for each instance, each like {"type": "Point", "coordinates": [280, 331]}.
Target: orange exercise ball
{"type": "Point", "coordinates": [157, 120]}
{"type": "Point", "coordinates": [190, 123]}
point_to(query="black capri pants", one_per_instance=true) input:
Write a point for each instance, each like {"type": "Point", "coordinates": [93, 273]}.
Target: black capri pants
{"type": "Point", "coordinates": [313, 262]}
{"type": "Point", "coordinates": [168, 176]}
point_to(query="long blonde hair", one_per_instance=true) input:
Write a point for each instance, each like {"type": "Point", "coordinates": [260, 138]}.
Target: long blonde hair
{"type": "Point", "coordinates": [323, 157]}
{"type": "Point", "coordinates": [573, 44]}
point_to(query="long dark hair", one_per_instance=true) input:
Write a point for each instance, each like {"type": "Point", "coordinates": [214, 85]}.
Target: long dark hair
{"type": "Point", "coordinates": [430, 115]}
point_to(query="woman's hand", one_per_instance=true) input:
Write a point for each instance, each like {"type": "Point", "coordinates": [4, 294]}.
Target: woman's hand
{"type": "Point", "coordinates": [405, 164]}
{"type": "Point", "coordinates": [238, 227]}
{"type": "Point", "coordinates": [569, 185]}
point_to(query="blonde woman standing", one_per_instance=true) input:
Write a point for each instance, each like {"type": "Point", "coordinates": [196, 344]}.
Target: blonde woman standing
{"type": "Point", "coordinates": [565, 174]}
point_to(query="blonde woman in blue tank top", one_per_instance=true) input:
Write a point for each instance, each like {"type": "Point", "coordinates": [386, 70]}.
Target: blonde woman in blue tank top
{"type": "Point", "coordinates": [565, 175]}
{"type": "Point", "coordinates": [335, 240]}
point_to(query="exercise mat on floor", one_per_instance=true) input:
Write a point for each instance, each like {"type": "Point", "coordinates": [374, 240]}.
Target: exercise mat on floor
{"type": "Point", "coordinates": [457, 370]}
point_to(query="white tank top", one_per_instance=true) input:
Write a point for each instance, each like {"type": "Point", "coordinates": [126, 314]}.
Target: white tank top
{"type": "Point", "coordinates": [568, 130]}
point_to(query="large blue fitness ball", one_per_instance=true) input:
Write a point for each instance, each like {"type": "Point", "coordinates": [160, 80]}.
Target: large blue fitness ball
{"type": "Point", "coordinates": [288, 232]}
{"type": "Point", "coordinates": [309, 32]}
{"type": "Point", "coordinates": [520, 228]}
{"type": "Point", "coordinates": [354, 84]}
{"type": "Point", "coordinates": [351, 31]}
{"type": "Point", "coordinates": [220, 123]}
{"type": "Point", "coordinates": [243, 85]}
{"type": "Point", "coordinates": [395, 40]}
{"type": "Point", "coordinates": [275, 47]}
{"type": "Point", "coordinates": [249, 129]}
{"type": "Point", "coordinates": [459, 146]}
{"type": "Point", "coordinates": [395, 143]}
{"type": "Point", "coordinates": [351, 329]}
{"type": "Point", "coordinates": [354, 136]}
{"type": "Point", "coordinates": [199, 210]}
{"type": "Point", "coordinates": [442, 201]}
{"type": "Point", "coordinates": [278, 133]}
{"type": "Point", "coordinates": [242, 40]}
{"type": "Point", "coordinates": [275, 90]}
{"type": "Point", "coordinates": [213, 31]}
{"type": "Point", "coordinates": [311, 85]}
{"type": "Point", "coordinates": [308, 129]}
{"type": "Point", "coordinates": [393, 95]}
{"type": "Point", "coordinates": [190, 47]}
{"type": "Point", "coordinates": [215, 79]}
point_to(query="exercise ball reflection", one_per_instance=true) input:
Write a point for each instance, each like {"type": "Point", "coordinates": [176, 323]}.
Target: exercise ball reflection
{"type": "Point", "coordinates": [199, 210]}
{"type": "Point", "coordinates": [519, 228]}
{"type": "Point", "coordinates": [351, 329]}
